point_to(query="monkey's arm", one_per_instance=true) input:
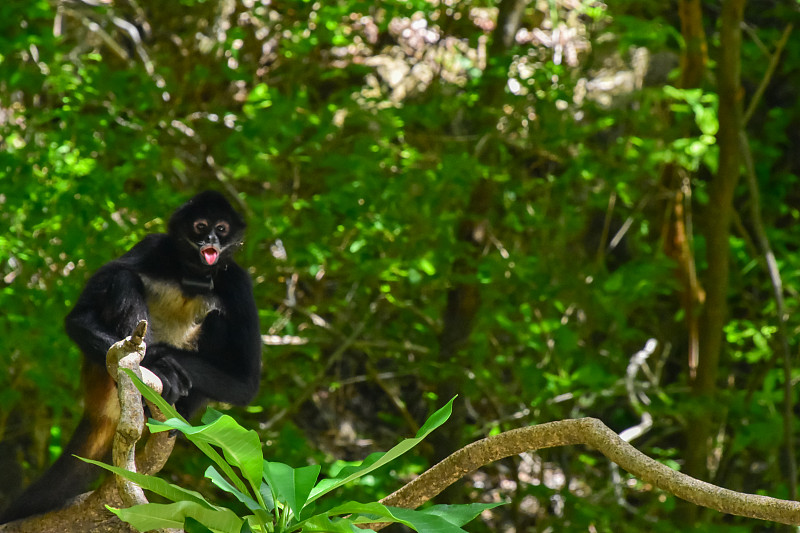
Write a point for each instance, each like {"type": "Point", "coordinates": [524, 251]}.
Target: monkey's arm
{"type": "Point", "coordinates": [112, 303]}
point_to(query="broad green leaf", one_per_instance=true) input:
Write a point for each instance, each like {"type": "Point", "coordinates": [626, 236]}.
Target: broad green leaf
{"type": "Point", "coordinates": [153, 397]}
{"type": "Point", "coordinates": [247, 529]}
{"type": "Point", "coordinates": [424, 522]}
{"type": "Point", "coordinates": [173, 515]}
{"type": "Point", "coordinates": [174, 416]}
{"type": "Point", "coordinates": [435, 420]}
{"type": "Point", "coordinates": [376, 512]}
{"type": "Point", "coordinates": [308, 511]}
{"type": "Point", "coordinates": [157, 485]}
{"type": "Point", "coordinates": [292, 485]}
{"type": "Point", "coordinates": [376, 460]}
{"type": "Point", "coordinates": [266, 496]}
{"type": "Point", "coordinates": [359, 513]}
{"type": "Point", "coordinates": [251, 524]}
{"type": "Point", "coordinates": [241, 447]}
{"type": "Point", "coordinates": [347, 474]}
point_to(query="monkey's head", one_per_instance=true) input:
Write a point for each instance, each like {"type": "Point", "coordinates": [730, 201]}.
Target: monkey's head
{"type": "Point", "coordinates": [207, 231]}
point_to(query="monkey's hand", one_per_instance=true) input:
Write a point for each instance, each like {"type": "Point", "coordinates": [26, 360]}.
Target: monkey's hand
{"type": "Point", "coordinates": [177, 382]}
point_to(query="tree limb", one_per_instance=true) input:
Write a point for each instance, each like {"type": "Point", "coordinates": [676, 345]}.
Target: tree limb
{"type": "Point", "coordinates": [591, 432]}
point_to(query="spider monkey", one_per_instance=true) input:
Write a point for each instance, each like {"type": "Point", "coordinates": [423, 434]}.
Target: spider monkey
{"type": "Point", "coordinates": [203, 338]}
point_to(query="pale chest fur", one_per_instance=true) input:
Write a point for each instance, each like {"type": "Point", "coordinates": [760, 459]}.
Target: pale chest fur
{"type": "Point", "coordinates": [175, 318]}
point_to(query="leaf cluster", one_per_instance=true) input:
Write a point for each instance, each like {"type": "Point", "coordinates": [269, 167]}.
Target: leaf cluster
{"type": "Point", "coordinates": [281, 499]}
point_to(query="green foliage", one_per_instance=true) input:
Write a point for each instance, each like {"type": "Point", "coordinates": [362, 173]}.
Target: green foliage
{"type": "Point", "coordinates": [289, 494]}
{"type": "Point", "coordinates": [367, 137]}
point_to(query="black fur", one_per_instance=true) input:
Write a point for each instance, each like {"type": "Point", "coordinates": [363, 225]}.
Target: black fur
{"type": "Point", "coordinates": [203, 341]}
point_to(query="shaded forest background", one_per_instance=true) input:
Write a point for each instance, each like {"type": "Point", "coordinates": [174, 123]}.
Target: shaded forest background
{"type": "Point", "coordinates": [500, 200]}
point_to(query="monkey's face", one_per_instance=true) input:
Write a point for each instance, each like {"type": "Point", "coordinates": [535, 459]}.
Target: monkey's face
{"type": "Point", "coordinates": [208, 238]}
{"type": "Point", "coordinates": [207, 230]}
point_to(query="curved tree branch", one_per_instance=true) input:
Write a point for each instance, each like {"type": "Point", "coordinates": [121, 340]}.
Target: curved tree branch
{"type": "Point", "coordinates": [591, 432]}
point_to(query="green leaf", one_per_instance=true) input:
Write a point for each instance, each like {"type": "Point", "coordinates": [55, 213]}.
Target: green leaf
{"type": "Point", "coordinates": [153, 397]}
{"type": "Point", "coordinates": [247, 529]}
{"type": "Point", "coordinates": [241, 447]}
{"type": "Point", "coordinates": [222, 483]}
{"type": "Point", "coordinates": [421, 521]}
{"type": "Point", "coordinates": [174, 418]}
{"type": "Point", "coordinates": [292, 485]}
{"type": "Point", "coordinates": [417, 520]}
{"type": "Point", "coordinates": [174, 515]}
{"type": "Point", "coordinates": [267, 497]}
{"type": "Point", "coordinates": [324, 524]}
{"type": "Point", "coordinates": [435, 420]}
{"type": "Point", "coordinates": [459, 514]}
{"type": "Point", "coordinates": [427, 266]}
{"type": "Point", "coordinates": [376, 460]}
{"type": "Point", "coordinates": [193, 526]}
{"type": "Point", "coordinates": [157, 485]}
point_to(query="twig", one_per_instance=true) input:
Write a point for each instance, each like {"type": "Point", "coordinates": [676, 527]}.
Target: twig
{"type": "Point", "coordinates": [636, 398]}
{"type": "Point", "coordinates": [773, 64]}
{"type": "Point", "coordinates": [396, 400]}
{"type": "Point", "coordinates": [94, 27]}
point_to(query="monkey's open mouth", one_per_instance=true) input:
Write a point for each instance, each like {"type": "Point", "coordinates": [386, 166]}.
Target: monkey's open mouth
{"type": "Point", "coordinates": [210, 254]}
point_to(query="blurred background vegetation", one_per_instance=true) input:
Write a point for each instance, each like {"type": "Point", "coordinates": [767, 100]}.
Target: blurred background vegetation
{"type": "Point", "coordinates": [500, 200]}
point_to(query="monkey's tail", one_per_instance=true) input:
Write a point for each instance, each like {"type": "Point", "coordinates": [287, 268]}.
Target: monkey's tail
{"type": "Point", "coordinates": [69, 476]}
{"type": "Point", "coordinates": [66, 479]}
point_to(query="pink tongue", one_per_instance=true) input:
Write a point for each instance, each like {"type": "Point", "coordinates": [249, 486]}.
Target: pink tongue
{"type": "Point", "coordinates": [210, 255]}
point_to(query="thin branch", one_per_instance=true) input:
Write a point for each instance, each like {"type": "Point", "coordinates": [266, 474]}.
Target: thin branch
{"type": "Point", "coordinates": [395, 398]}
{"type": "Point", "coordinates": [773, 64]}
{"type": "Point", "coordinates": [94, 27]}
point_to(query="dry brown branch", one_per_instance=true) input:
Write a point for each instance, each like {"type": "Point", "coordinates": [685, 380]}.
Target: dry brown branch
{"type": "Point", "coordinates": [128, 354]}
{"type": "Point", "coordinates": [591, 432]}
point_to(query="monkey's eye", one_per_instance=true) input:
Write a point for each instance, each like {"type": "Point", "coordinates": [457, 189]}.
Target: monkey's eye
{"type": "Point", "coordinates": [222, 227]}
{"type": "Point", "coordinates": [200, 226]}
